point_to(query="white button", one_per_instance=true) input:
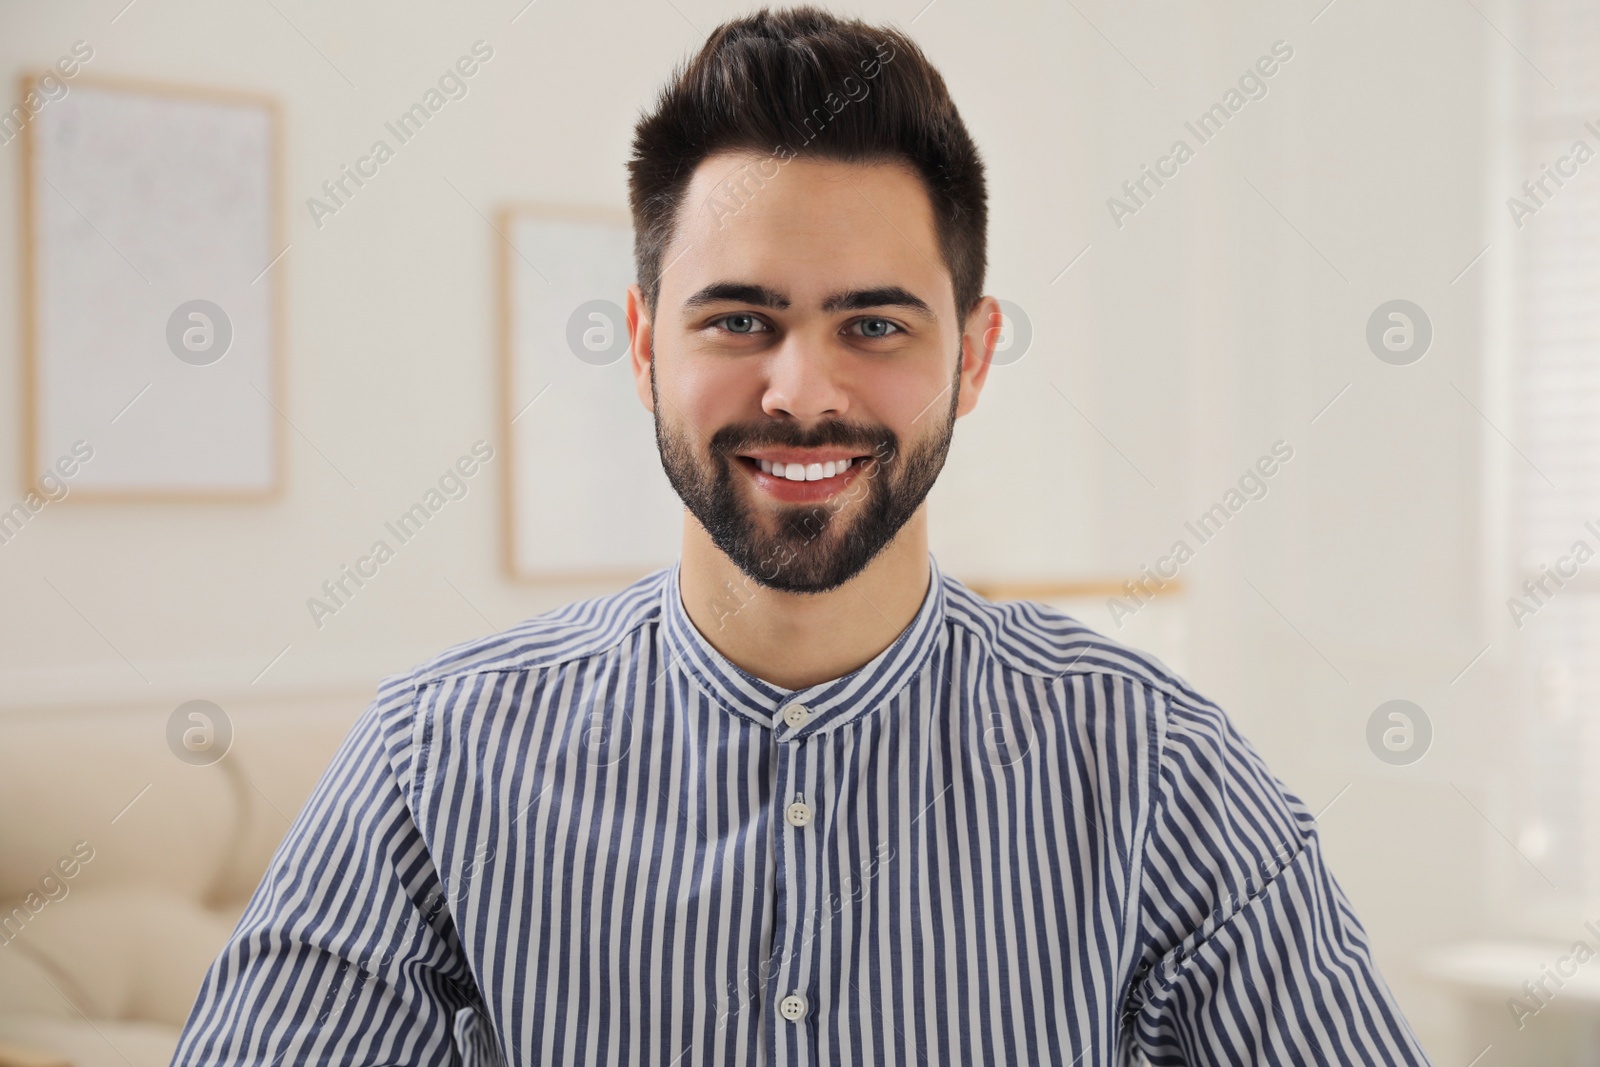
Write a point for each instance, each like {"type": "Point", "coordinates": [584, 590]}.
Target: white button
{"type": "Point", "coordinates": [793, 1007]}
{"type": "Point", "coordinates": [799, 813]}
{"type": "Point", "coordinates": [797, 715]}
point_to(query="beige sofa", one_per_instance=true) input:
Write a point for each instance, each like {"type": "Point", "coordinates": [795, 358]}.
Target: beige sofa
{"type": "Point", "coordinates": [123, 869]}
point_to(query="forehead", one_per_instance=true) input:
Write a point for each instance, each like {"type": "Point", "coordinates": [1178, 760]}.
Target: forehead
{"type": "Point", "coordinates": [805, 227]}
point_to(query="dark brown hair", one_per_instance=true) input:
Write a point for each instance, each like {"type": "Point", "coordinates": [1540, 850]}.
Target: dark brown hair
{"type": "Point", "coordinates": [801, 82]}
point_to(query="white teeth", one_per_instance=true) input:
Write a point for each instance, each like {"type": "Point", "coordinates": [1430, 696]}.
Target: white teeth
{"type": "Point", "coordinates": [805, 472]}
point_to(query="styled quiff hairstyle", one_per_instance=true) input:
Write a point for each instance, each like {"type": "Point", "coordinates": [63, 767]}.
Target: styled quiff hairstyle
{"type": "Point", "coordinates": [804, 83]}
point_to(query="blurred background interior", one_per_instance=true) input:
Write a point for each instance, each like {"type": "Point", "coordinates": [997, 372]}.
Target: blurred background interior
{"type": "Point", "coordinates": [1425, 536]}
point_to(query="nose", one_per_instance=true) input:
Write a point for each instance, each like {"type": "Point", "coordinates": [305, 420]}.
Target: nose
{"type": "Point", "coordinates": [803, 381]}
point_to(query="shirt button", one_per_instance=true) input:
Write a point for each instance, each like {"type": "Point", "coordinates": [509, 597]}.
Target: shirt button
{"type": "Point", "coordinates": [797, 715]}
{"type": "Point", "coordinates": [799, 813]}
{"type": "Point", "coordinates": [793, 1007]}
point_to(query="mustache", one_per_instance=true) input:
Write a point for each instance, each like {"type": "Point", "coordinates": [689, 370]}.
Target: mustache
{"type": "Point", "coordinates": [730, 440]}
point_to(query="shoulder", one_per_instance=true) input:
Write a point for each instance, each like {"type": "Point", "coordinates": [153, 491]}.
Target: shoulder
{"type": "Point", "coordinates": [1034, 638]}
{"type": "Point", "coordinates": [408, 704]}
{"type": "Point", "coordinates": [575, 631]}
{"type": "Point", "coordinates": [1214, 798]}
{"type": "Point", "coordinates": [1112, 685]}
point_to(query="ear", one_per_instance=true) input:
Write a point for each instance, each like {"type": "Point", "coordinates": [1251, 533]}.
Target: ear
{"type": "Point", "coordinates": [639, 345]}
{"type": "Point", "coordinates": [979, 336]}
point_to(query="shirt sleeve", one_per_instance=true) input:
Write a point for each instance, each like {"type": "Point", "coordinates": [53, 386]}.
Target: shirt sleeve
{"type": "Point", "coordinates": [346, 953]}
{"type": "Point", "coordinates": [1249, 951]}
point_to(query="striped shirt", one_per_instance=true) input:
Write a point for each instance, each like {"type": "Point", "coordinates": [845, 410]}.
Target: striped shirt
{"type": "Point", "coordinates": [594, 840]}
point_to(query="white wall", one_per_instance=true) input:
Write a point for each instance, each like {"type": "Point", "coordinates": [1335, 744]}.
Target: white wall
{"type": "Point", "coordinates": [1204, 329]}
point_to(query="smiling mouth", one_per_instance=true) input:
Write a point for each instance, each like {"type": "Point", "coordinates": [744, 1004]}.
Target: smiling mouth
{"type": "Point", "coordinates": [803, 472]}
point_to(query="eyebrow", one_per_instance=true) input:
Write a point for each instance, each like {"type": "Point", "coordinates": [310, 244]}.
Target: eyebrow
{"type": "Point", "coordinates": [843, 300]}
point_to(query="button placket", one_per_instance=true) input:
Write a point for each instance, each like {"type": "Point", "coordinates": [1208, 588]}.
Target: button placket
{"type": "Point", "coordinates": [798, 884]}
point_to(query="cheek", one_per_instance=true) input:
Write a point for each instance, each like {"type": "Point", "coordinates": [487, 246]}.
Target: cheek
{"type": "Point", "coordinates": [712, 394]}
{"type": "Point", "coordinates": [899, 394]}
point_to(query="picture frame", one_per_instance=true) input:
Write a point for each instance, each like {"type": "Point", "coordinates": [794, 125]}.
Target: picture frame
{"type": "Point", "coordinates": [586, 501]}
{"type": "Point", "coordinates": [148, 208]}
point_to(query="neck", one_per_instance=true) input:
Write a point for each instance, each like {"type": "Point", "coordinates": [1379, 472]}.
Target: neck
{"type": "Point", "coordinates": [797, 640]}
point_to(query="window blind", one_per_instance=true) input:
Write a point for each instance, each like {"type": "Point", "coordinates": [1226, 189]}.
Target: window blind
{"type": "Point", "coordinates": [1555, 323]}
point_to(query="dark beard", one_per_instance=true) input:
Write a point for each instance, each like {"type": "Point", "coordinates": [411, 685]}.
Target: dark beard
{"type": "Point", "coordinates": [813, 549]}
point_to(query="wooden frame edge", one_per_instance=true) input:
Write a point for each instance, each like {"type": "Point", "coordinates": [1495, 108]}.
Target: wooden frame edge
{"type": "Point", "coordinates": [1029, 589]}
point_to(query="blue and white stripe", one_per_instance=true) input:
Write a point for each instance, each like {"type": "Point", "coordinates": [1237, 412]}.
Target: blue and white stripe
{"type": "Point", "coordinates": [570, 844]}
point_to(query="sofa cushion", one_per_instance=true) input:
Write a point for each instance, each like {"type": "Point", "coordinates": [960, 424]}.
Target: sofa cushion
{"type": "Point", "coordinates": [133, 954]}
{"type": "Point", "coordinates": [100, 1044]}
{"type": "Point", "coordinates": [109, 780]}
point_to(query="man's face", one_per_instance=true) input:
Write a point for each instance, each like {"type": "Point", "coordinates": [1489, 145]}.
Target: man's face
{"type": "Point", "coordinates": [806, 320]}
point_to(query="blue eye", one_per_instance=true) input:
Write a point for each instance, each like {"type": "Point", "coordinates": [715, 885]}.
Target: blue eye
{"type": "Point", "coordinates": [741, 322]}
{"type": "Point", "coordinates": [878, 328]}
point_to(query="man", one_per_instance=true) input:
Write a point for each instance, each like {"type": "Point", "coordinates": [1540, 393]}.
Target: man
{"type": "Point", "coordinates": [799, 798]}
